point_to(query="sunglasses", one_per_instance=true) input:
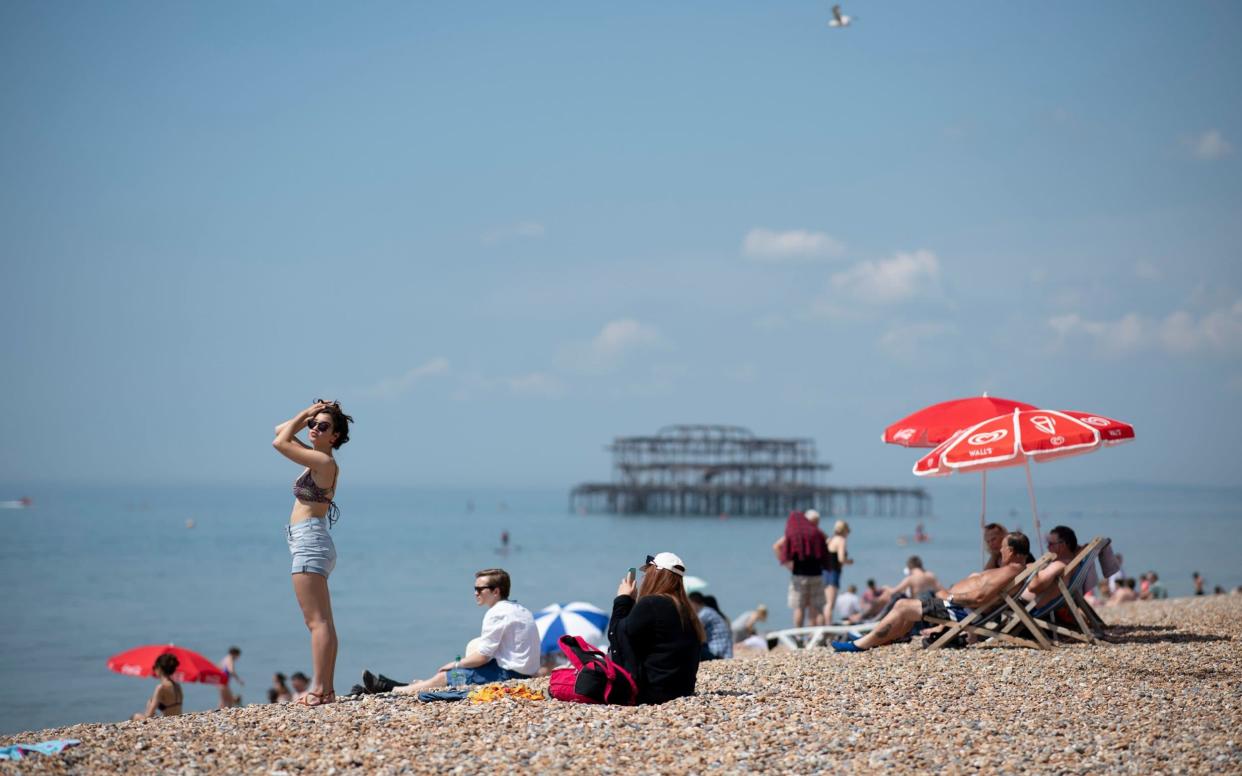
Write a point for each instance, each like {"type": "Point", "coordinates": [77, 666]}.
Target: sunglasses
{"type": "Point", "coordinates": [320, 426]}
{"type": "Point", "coordinates": [478, 589]}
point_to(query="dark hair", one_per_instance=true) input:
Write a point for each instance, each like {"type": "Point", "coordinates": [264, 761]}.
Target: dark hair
{"type": "Point", "coordinates": [1021, 545]}
{"type": "Point", "coordinates": [496, 578]}
{"type": "Point", "coordinates": [915, 562]}
{"type": "Point", "coordinates": [668, 584]}
{"type": "Point", "coordinates": [340, 421]}
{"type": "Point", "coordinates": [166, 664]}
{"type": "Point", "coordinates": [299, 676]}
{"type": "Point", "coordinates": [993, 527]}
{"type": "Point", "coordinates": [235, 651]}
{"type": "Point", "coordinates": [272, 695]}
{"type": "Point", "coordinates": [1067, 535]}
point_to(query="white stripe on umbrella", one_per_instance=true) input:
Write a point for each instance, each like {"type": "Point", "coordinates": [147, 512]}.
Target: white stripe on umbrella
{"type": "Point", "coordinates": [576, 618]}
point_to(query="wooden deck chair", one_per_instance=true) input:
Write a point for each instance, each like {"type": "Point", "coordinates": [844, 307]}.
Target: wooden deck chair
{"type": "Point", "coordinates": [1070, 586]}
{"type": "Point", "coordinates": [985, 621]}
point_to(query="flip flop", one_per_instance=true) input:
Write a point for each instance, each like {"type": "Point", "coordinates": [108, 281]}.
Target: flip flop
{"type": "Point", "coordinates": [320, 699]}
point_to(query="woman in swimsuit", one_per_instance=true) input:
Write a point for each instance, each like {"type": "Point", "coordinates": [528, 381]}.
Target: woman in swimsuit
{"type": "Point", "coordinates": [166, 699]}
{"type": "Point", "coordinates": [834, 563]}
{"type": "Point", "coordinates": [310, 544]}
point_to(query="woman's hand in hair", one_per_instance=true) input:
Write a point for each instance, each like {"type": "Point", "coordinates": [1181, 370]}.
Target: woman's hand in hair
{"type": "Point", "coordinates": [315, 409]}
{"type": "Point", "coordinates": [627, 587]}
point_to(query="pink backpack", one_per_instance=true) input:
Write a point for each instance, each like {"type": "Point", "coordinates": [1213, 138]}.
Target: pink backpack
{"type": "Point", "coordinates": [593, 678]}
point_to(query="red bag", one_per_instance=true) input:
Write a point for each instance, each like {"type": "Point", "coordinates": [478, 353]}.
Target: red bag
{"type": "Point", "coordinates": [594, 677]}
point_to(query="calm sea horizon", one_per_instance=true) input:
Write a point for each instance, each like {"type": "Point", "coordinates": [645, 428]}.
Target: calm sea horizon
{"type": "Point", "coordinates": [89, 572]}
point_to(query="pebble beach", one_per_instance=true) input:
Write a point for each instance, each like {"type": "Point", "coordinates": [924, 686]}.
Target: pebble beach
{"type": "Point", "coordinates": [1163, 697]}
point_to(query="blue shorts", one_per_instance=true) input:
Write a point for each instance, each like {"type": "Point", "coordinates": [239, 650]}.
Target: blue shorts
{"type": "Point", "coordinates": [485, 674]}
{"type": "Point", "coordinates": [311, 546]}
{"type": "Point", "coordinates": [832, 578]}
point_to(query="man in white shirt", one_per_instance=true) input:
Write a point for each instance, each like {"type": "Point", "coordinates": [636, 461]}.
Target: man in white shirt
{"type": "Point", "coordinates": [848, 608]}
{"type": "Point", "coordinates": [507, 648]}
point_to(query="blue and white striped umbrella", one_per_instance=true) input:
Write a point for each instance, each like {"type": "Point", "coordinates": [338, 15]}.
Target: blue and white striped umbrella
{"type": "Point", "coordinates": [576, 619]}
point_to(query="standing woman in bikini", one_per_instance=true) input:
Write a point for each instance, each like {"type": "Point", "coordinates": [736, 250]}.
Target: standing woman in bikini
{"type": "Point", "coordinates": [310, 544]}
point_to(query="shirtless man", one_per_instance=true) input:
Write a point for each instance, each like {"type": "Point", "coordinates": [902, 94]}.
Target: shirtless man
{"type": "Point", "coordinates": [1063, 542]}
{"type": "Point", "coordinates": [953, 604]}
{"type": "Point", "coordinates": [918, 580]}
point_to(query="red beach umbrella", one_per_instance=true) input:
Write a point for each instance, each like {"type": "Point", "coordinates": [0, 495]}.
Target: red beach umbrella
{"type": "Point", "coordinates": [937, 424]}
{"type": "Point", "coordinates": [1014, 439]}
{"type": "Point", "coordinates": [192, 667]}
{"type": "Point", "coordinates": [932, 425]}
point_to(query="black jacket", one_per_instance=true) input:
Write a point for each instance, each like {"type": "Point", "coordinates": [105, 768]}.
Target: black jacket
{"type": "Point", "coordinates": [650, 641]}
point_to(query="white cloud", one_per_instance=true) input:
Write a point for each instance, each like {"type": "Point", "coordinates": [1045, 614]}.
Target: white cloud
{"type": "Point", "coordinates": [392, 387]}
{"type": "Point", "coordinates": [611, 346]}
{"type": "Point", "coordinates": [1218, 331]}
{"type": "Point", "coordinates": [905, 340]}
{"type": "Point", "coordinates": [795, 245]}
{"type": "Point", "coordinates": [1209, 144]}
{"type": "Point", "coordinates": [539, 385]}
{"type": "Point", "coordinates": [1147, 270]}
{"type": "Point", "coordinates": [889, 280]}
{"type": "Point", "coordinates": [528, 230]}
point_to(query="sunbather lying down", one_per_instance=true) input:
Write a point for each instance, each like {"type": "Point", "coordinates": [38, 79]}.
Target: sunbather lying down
{"type": "Point", "coordinates": [954, 604]}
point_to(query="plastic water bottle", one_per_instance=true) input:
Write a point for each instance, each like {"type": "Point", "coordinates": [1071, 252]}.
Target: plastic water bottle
{"type": "Point", "coordinates": [455, 677]}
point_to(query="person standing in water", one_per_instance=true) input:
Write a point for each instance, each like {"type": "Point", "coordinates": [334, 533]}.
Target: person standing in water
{"type": "Point", "coordinates": [310, 544]}
{"type": "Point", "coordinates": [227, 699]}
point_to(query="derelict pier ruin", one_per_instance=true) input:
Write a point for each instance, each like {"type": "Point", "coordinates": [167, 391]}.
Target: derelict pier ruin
{"type": "Point", "coordinates": [727, 470]}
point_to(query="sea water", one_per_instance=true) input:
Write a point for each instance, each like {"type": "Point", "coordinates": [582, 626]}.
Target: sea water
{"type": "Point", "coordinates": [87, 572]}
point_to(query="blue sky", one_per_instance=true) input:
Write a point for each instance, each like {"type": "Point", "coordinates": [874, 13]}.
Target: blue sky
{"type": "Point", "coordinates": [504, 233]}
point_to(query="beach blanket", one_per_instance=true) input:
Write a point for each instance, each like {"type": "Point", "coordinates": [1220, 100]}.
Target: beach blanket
{"type": "Point", "coordinates": [18, 751]}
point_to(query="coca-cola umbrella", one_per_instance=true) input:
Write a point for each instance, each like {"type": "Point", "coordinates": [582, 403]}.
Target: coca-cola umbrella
{"type": "Point", "coordinates": [938, 423]}
{"type": "Point", "coordinates": [1014, 439]}
{"type": "Point", "coordinates": [191, 666]}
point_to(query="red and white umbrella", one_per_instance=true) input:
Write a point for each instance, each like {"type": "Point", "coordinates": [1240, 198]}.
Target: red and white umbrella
{"type": "Point", "coordinates": [938, 424]}
{"type": "Point", "coordinates": [1014, 439]}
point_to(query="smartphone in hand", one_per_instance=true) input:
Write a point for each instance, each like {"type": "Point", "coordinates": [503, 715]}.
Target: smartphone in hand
{"type": "Point", "coordinates": [631, 574]}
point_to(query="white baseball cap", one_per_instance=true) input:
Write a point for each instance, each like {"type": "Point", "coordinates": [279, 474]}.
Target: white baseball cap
{"type": "Point", "coordinates": [667, 561]}
{"type": "Point", "coordinates": [812, 515]}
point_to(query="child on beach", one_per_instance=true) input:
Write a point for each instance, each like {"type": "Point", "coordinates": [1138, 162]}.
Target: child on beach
{"type": "Point", "coordinates": [227, 699]}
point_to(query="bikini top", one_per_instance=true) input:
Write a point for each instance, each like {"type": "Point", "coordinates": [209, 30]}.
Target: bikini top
{"type": "Point", "coordinates": [305, 489]}
{"type": "Point", "coordinates": [166, 706]}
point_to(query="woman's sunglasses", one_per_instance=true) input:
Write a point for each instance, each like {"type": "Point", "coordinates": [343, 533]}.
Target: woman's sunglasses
{"type": "Point", "coordinates": [320, 426]}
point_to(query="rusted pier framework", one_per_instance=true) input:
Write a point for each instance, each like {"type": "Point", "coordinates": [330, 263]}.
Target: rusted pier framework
{"type": "Point", "coordinates": [712, 470]}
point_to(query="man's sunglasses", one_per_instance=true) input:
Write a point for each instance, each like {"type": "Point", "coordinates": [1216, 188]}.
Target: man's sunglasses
{"type": "Point", "coordinates": [478, 589]}
{"type": "Point", "coordinates": [320, 426]}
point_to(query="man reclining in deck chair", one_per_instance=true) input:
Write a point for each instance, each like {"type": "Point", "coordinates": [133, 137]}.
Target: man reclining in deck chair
{"type": "Point", "coordinates": [954, 604]}
{"type": "Point", "coordinates": [1043, 588]}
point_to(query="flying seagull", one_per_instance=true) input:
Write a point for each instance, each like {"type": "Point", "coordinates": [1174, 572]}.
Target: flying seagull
{"type": "Point", "coordinates": [839, 19]}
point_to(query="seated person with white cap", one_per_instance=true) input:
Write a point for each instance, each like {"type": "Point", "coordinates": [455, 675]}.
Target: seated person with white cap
{"type": "Point", "coordinates": [654, 632]}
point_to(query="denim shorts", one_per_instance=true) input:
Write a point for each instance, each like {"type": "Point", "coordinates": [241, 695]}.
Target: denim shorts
{"type": "Point", "coordinates": [485, 674]}
{"type": "Point", "coordinates": [831, 578]}
{"type": "Point", "coordinates": [311, 546]}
